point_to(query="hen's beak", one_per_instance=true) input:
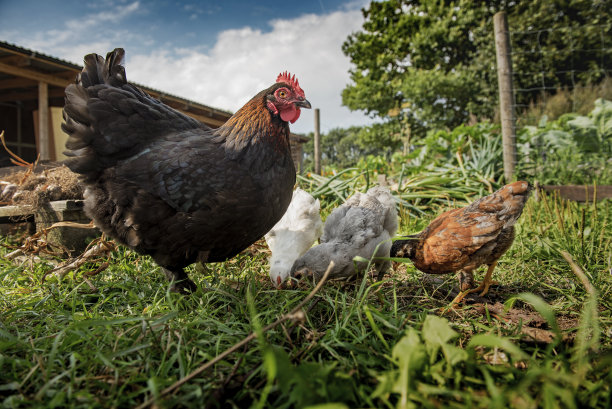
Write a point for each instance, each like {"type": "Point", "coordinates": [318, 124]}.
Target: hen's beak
{"type": "Point", "coordinates": [302, 103]}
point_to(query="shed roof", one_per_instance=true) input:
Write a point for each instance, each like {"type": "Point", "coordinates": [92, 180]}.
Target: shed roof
{"type": "Point", "coordinates": [21, 69]}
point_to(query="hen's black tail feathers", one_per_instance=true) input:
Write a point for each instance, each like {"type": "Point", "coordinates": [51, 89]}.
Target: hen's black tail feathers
{"type": "Point", "coordinates": [100, 71]}
{"type": "Point", "coordinates": [80, 124]}
{"type": "Point", "coordinates": [109, 120]}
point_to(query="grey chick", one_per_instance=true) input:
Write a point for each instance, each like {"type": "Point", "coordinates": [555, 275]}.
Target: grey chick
{"type": "Point", "coordinates": [356, 228]}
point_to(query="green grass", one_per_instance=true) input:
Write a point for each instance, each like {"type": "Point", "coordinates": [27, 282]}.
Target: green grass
{"type": "Point", "coordinates": [363, 344]}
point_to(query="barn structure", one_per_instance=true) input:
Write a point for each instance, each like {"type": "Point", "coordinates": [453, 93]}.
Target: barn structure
{"type": "Point", "coordinates": [32, 96]}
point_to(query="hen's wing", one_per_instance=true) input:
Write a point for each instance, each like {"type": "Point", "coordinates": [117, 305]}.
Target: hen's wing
{"type": "Point", "coordinates": [450, 240]}
{"type": "Point", "coordinates": [191, 172]}
{"type": "Point", "coordinates": [506, 203]}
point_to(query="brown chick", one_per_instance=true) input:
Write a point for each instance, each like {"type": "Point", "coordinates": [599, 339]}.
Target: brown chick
{"type": "Point", "coordinates": [461, 240]}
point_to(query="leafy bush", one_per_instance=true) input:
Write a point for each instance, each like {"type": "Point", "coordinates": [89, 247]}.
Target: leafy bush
{"type": "Point", "coordinates": [572, 149]}
{"type": "Point", "coordinates": [444, 167]}
{"type": "Point", "coordinates": [580, 100]}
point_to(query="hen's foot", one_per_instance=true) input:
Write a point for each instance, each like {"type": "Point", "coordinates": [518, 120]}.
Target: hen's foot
{"type": "Point", "coordinates": [180, 282]}
{"type": "Point", "coordinates": [486, 282]}
{"type": "Point", "coordinates": [382, 269]}
{"type": "Point", "coordinates": [466, 281]}
{"type": "Point", "coordinates": [183, 287]}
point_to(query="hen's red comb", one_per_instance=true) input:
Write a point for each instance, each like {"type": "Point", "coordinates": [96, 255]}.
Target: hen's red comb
{"type": "Point", "coordinates": [291, 80]}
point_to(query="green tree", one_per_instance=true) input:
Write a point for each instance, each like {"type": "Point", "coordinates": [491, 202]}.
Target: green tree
{"type": "Point", "coordinates": [344, 147]}
{"type": "Point", "coordinates": [431, 63]}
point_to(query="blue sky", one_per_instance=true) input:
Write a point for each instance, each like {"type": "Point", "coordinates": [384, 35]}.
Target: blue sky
{"type": "Point", "coordinates": [219, 53]}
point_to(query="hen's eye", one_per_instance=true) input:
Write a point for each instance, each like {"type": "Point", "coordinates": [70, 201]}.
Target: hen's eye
{"type": "Point", "coordinates": [282, 93]}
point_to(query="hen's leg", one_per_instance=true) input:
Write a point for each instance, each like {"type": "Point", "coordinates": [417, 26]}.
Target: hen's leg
{"type": "Point", "coordinates": [486, 282]}
{"type": "Point", "coordinates": [466, 281]}
{"type": "Point", "coordinates": [181, 283]}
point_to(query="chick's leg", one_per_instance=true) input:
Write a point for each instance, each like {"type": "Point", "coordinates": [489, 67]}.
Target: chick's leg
{"type": "Point", "coordinates": [181, 283]}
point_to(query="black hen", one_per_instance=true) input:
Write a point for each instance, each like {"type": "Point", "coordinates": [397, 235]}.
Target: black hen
{"type": "Point", "coordinates": [167, 185]}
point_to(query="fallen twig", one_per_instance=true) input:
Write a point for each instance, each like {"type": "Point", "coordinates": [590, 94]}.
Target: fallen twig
{"type": "Point", "coordinates": [16, 160]}
{"type": "Point", "coordinates": [295, 314]}
{"type": "Point", "coordinates": [37, 243]}
{"type": "Point", "coordinates": [97, 248]}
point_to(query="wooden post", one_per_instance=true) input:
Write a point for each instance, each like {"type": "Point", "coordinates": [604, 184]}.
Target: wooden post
{"type": "Point", "coordinates": [506, 93]}
{"type": "Point", "coordinates": [43, 121]}
{"type": "Point", "coordinates": [317, 142]}
{"type": "Point", "coordinates": [19, 130]}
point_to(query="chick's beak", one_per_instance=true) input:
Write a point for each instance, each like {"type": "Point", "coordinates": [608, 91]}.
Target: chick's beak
{"type": "Point", "coordinates": [302, 103]}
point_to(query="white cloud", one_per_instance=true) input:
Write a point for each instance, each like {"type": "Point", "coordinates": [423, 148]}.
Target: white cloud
{"type": "Point", "coordinates": [91, 20]}
{"type": "Point", "coordinates": [234, 68]}
{"type": "Point", "coordinates": [244, 61]}
{"type": "Point", "coordinates": [77, 37]}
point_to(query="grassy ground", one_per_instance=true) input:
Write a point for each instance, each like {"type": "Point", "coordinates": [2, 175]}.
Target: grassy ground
{"type": "Point", "coordinates": [118, 339]}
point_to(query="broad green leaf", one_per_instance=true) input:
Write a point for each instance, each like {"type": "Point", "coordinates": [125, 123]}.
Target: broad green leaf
{"type": "Point", "coordinates": [437, 331]}
{"type": "Point", "coordinates": [410, 356]}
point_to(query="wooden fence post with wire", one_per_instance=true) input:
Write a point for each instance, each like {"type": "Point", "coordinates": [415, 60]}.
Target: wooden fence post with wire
{"type": "Point", "coordinates": [317, 142]}
{"type": "Point", "coordinates": [506, 93]}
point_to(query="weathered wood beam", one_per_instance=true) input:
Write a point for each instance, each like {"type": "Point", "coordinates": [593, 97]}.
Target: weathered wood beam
{"type": "Point", "coordinates": [14, 60]}
{"type": "Point", "coordinates": [190, 108]}
{"type": "Point", "coordinates": [506, 93]}
{"type": "Point", "coordinates": [206, 119]}
{"type": "Point", "coordinates": [29, 95]}
{"type": "Point", "coordinates": [580, 193]}
{"type": "Point", "coordinates": [17, 83]}
{"type": "Point", "coordinates": [317, 142]}
{"type": "Point", "coordinates": [33, 75]}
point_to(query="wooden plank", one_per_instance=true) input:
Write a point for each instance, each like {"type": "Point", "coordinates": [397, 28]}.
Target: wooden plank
{"type": "Point", "coordinates": [580, 193]}
{"type": "Point", "coordinates": [13, 96]}
{"type": "Point", "coordinates": [56, 206]}
{"type": "Point", "coordinates": [61, 205]}
{"type": "Point", "coordinates": [208, 121]}
{"type": "Point", "coordinates": [15, 211]}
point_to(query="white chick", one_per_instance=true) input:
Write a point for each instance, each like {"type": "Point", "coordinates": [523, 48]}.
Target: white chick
{"type": "Point", "coordinates": [354, 229]}
{"type": "Point", "coordinates": [294, 234]}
